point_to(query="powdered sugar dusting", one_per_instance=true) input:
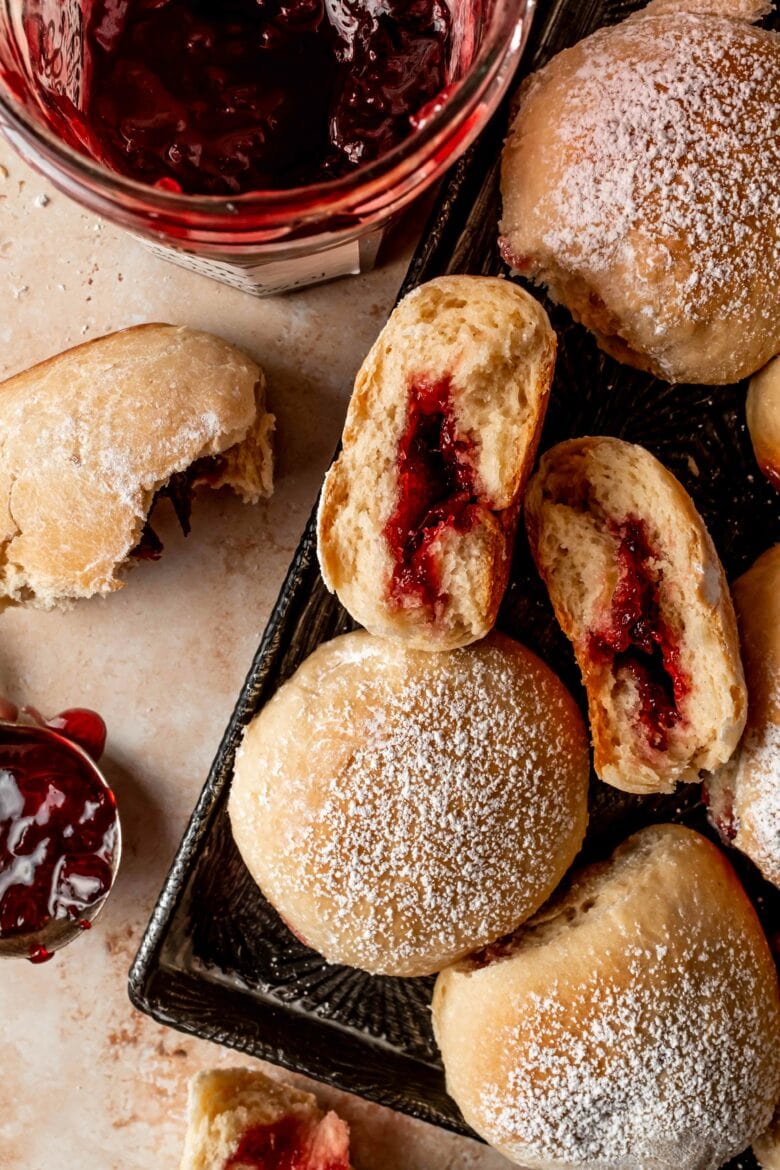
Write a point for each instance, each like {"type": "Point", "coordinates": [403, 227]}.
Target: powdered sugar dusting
{"type": "Point", "coordinates": [456, 804]}
{"type": "Point", "coordinates": [673, 162]}
{"type": "Point", "coordinates": [659, 1054]}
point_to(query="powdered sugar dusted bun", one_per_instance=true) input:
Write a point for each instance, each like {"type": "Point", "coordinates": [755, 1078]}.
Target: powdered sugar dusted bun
{"type": "Point", "coordinates": [91, 435]}
{"type": "Point", "coordinates": [418, 514]}
{"type": "Point", "coordinates": [638, 588]}
{"type": "Point", "coordinates": [767, 1148]}
{"type": "Point", "coordinates": [633, 1024]}
{"type": "Point", "coordinates": [763, 419]}
{"type": "Point", "coordinates": [744, 796]}
{"type": "Point", "coordinates": [641, 186]}
{"type": "Point", "coordinates": [240, 1118]}
{"type": "Point", "coordinates": [400, 808]}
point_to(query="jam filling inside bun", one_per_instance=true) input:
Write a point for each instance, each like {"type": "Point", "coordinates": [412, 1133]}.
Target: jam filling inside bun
{"type": "Point", "coordinates": [436, 491]}
{"type": "Point", "coordinates": [635, 638]}
{"type": "Point", "coordinates": [179, 489]}
{"type": "Point", "coordinates": [282, 1145]}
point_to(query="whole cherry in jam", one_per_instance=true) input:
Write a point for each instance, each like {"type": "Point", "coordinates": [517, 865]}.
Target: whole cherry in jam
{"type": "Point", "coordinates": [436, 491]}
{"type": "Point", "coordinates": [220, 97]}
{"type": "Point", "coordinates": [636, 639]}
{"type": "Point", "coordinates": [58, 825]}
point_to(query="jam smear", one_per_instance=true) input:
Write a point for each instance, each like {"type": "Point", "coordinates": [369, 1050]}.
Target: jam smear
{"type": "Point", "coordinates": [282, 1145]}
{"type": "Point", "coordinates": [39, 954]}
{"type": "Point", "coordinates": [58, 829]}
{"type": "Point", "coordinates": [436, 486]}
{"type": "Point", "coordinates": [638, 640]}
{"type": "Point", "coordinates": [220, 97]}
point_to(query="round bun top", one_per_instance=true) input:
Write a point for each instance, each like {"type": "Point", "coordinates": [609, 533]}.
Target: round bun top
{"type": "Point", "coordinates": [400, 809]}
{"type": "Point", "coordinates": [633, 1024]}
{"type": "Point", "coordinates": [641, 183]}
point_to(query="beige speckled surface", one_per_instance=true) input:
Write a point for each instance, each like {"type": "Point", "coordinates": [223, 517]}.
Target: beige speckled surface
{"type": "Point", "coordinates": [87, 1082]}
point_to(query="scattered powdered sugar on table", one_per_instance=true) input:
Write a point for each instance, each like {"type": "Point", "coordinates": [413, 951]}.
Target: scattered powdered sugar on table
{"type": "Point", "coordinates": [658, 1067]}
{"type": "Point", "coordinates": [673, 161]}
{"type": "Point", "coordinates": [444, 810]}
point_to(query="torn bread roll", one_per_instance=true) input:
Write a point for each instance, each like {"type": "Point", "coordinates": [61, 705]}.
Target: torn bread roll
{"type": "Point", "coordinates": [418, 515]}
{"type": "Point", "coordinates": [641, 187]}
{"type": "Point", "coordinates": [92, 435]}
{"type": "Point", "coordinates": [400, 809]}
{"type": "Point", "coordinates": [744, 795]}
{"type": "Point", "coordinates": [637, 587]}
{"type": "Point", "coordinates": [763, 418]}
{"type": "Point", "coordinates": [241, 1118]}
{"type": "Point", "coordinates": [632, 1024]}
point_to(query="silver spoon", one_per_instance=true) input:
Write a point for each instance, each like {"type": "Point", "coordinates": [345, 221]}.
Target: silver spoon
{"type": "Point", "coordinates": [40, 944]}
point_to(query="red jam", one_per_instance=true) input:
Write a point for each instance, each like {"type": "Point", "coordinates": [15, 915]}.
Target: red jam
{"type": "Point", "coordinates": [282, 1145]}
{"type": "Point", "coordinates": [638, 640]}
{"type": "Point", "coordinates": [58, 827]}
{"type": "Point", "coordinates": [436, 491]}
{"type": "Point", "coordinates": [218, 97]}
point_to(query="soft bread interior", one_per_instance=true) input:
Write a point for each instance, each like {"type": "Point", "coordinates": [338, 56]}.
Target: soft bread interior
{"type": "Point", "coordinates": [493, 346]}
{"type": "Point", "coordinates": [92, 435]}
{"type": "Point", "coordinates": [225, 1104]}
{"type": "Point", "coordinates": [582, 487]}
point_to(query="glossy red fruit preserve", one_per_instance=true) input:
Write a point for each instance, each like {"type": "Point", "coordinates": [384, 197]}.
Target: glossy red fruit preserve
{"type": "Point", "coordinates": [436, 491]}
{"type": "Point", "coordinates": [282, 1145]}
{"type": "Point", "coordinates": [58, 827]}
{"type": "Point", "coordinates": [637, 638]}
{"type": "Point", "coordinates": [219, 97]}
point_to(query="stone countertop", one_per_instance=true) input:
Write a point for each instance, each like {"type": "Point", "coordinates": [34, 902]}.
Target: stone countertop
{"type": "Point", "coordinates": [88, 1082]}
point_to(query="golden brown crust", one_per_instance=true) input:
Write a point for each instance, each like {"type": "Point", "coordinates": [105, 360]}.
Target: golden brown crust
{"type": "Point", "coordinates": [763, 418]}
{"type": "Point", "coordinates": [582, 496]}
{"type": "Point", "coordinates": [400, 808]}
{"type": "Point", "coordinates": [632, 1024]}
{"type": "Point", "coordinates": [745, 794]}
{"type": "Point", "coordinates": [90, 435]}
{"type": "Point", "coordinates": [767, 1148]}
{"type": "Point", "coordinates": [492, 346]}
{"type": "Point", "coordinates": [641, 185]}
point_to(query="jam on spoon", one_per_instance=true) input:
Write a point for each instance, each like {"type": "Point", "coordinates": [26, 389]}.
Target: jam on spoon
{"type": "Point", "coordinates": [58, 825]}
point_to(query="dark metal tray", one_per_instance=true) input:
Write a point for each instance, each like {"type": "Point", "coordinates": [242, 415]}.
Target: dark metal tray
{"type": "Point", "coordinates": [216, 960]}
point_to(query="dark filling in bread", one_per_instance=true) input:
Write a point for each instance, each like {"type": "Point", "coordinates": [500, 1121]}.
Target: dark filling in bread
{"type": "Point", "coordinates": [282, 1145]}
{"type": "Point", "coordinates": [179, 490]}
{"type": "Point", "coordinates": [636, 638]}
{"type": "Point", "coordinates": [436, 491]}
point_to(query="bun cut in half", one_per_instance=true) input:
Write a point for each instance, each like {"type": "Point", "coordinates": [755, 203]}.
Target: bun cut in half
{"type": "Point", "coordinates": [418, 514]}
{"type": "Point", "coordinates": [744, 795]}
{"type": "Point", "coordinates": [400, 809]}
{"type": "Point", "coordinates": [632, 1024]}
{"type": "Point", "coordinates": [637, 587]}
{"type": "Point", "coordinates": [641, 186]}
{"type": "Point", "coordinates": [91, 436]}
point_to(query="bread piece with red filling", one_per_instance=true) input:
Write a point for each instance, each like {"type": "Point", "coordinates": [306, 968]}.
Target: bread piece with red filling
{"type": "Point", "coordinates": [417, 516]}
{"type": "Point", "coordinates": [744, 796]}
{"type": "Point", "coordinates": [638, 589]}
{"type": "Point", "coordinates": [240, 1119]}
{"type": "Point", "coordinates": [91, 437]}
{"type": "Point", "coordinates": [763, 419]}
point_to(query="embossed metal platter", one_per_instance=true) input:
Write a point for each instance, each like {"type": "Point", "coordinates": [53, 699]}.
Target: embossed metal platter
{"type": "Point", "coordinates": [216, 960]}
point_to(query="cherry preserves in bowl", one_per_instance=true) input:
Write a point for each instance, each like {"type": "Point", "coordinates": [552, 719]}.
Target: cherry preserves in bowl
{"type": "Point", "coordinates": [269, 143]}
{"type": "Point", "coordinates": [59, 832]}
